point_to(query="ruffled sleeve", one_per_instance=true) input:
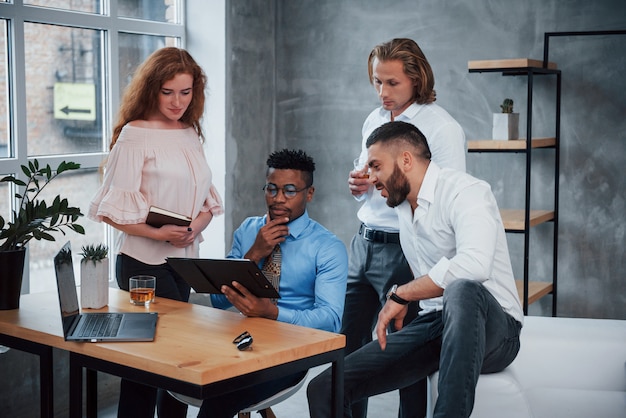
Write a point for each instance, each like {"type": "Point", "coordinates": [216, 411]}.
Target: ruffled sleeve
{"type": "Point", "coordinates": [119, 198]}
{"type": "Point", "coordinates": [213, 202]}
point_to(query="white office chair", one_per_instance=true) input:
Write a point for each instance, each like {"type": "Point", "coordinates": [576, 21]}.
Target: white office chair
{"type": "Point", "coordinates": [264, 407]}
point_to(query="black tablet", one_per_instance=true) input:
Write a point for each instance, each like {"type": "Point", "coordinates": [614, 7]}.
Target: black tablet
{"type": "Point", "coordinates": [208, 275]}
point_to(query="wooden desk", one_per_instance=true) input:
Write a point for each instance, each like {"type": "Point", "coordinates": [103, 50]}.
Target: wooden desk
{"type": "Point", "coordinates": [192, 354]}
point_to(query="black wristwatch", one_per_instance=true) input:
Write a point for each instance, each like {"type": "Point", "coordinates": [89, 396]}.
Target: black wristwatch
{"type": "Point", "coordinates": [393, 296]}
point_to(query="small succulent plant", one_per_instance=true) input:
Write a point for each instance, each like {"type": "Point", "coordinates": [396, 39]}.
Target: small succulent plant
{"type": "Point", "coordinates": [94, 253]}
{"type": "Point", "coordinates": [507, 106]}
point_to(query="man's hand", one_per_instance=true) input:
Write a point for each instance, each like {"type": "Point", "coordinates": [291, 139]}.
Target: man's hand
{"type": "Point", "coordinates": [248, 304]}
{"type": "Point", "coordinates": [270, 234]}
{"type": "Point", "coordinates": [357, 183]}
{"type": "Point", "coordinates": [392, 311]}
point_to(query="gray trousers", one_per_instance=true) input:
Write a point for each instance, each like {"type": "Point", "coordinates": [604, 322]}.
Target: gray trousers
{"type": "Point", "coordinates": [373, 268]}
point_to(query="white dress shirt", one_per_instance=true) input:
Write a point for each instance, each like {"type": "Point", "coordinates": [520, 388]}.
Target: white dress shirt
{"type": "Point", "coordinates": [446, 141]}
{"type": "Point", "coordinates": [455, 233]}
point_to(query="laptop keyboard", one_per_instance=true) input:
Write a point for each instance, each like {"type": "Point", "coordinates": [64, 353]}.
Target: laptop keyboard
{"type": "Point", "coordinates": [100, 325]}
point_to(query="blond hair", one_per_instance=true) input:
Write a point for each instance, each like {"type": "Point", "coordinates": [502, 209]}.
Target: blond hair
{"type": "Point", "coordinates": [415, 65]}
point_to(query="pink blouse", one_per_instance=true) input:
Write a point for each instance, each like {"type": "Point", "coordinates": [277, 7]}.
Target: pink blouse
{"type": "Point", "coordinates": [161, 167]}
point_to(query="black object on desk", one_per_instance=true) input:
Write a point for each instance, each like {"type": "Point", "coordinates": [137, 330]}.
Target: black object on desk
{"type": "Point", "coordinates": [208, 275]}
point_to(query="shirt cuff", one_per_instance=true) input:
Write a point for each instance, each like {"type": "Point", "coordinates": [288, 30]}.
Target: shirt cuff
{"type": "Point", "coordinates": [285, 315]}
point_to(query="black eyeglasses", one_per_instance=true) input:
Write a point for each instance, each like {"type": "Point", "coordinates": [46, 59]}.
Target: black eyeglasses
{"type": "Point", "coordinates": [290, 191]}
{"type": "Point", "coordinates": [243, 341]}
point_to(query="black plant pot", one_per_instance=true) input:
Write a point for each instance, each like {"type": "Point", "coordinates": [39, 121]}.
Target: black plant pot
{"type": "Point", "coordinates": [11, 270]}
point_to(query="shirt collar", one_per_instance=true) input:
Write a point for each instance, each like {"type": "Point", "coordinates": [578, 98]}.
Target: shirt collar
{"type": "Point", "coordinates": [426, 194]}
{"type": "Point", "coordinates": [408, 114]}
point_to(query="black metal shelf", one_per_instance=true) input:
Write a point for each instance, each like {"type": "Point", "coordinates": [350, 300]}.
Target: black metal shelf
{"type": "Point", "coordinates": [528, 68]}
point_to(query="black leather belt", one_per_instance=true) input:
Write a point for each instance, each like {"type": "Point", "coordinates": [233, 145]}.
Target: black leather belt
{"type": "Point", "coordinates": [373, 235]}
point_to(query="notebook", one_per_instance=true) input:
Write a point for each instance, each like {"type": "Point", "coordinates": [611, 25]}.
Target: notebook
{"type": "Point", "coordinates": [96, 326]}
{"type": "Point", "coordinates": [207, 275]}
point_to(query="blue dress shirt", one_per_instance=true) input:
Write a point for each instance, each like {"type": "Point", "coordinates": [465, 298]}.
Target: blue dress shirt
{"type": "Point", "coordinates": [314, 270]}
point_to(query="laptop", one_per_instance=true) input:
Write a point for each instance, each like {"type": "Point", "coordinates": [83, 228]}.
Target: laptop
{"type": "Point", "coordinates": [96, 326]}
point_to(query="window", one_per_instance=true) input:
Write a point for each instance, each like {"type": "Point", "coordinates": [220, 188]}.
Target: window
{"type": "Point", "coordinates": [158, 11]}
{"type": "Point", "coordinates": [61, 75]}
{"type": "Point", "coordinates": [65, 93]}
{"type": "Point", "coordinates": [89, 6]}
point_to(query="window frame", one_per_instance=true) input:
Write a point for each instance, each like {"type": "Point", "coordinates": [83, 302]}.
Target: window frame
{"type": "Point", "coordinates": [110, 26]}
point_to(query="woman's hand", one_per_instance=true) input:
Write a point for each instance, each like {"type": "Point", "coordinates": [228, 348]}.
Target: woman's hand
{"type": "Point", "coordinates": [178, 236]}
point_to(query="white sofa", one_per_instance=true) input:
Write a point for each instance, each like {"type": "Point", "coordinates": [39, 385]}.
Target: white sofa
{"type": "Point", "coordinates": [566, 368]}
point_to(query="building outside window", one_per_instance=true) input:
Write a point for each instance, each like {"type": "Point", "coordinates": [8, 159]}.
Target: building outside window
{"type": "Point", "coordinates": [63, 66]}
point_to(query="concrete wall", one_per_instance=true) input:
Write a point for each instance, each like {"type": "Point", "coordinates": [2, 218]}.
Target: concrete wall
{"type": "Point", "coordinates": [297, 77]}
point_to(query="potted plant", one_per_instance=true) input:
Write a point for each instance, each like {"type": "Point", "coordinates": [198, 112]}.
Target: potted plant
{"type": "Point", "coordinates": [94, 276]}
{"type": "Point", "coordinates": [34, 218]}
{"type": "Point", "coordinates": [506, 124]}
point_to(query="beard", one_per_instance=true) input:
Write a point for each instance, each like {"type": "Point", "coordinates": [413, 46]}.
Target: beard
{"type": "Point", "coordinates": [398, 187]}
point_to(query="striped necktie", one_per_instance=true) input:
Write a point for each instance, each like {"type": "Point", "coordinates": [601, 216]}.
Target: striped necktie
{"type": "Point", "coordinates": [271, 268]}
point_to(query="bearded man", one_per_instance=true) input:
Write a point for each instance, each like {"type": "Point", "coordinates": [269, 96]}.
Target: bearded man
{"type": "Point", "coordinates": [453, 238]}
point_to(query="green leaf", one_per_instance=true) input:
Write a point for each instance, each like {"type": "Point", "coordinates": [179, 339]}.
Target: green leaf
{"type": "Point", "coordinates": [47, 236]}
{"type": "Point", "coordinates": [26, 171]}
{"type": "Point", "coordinates": [11, 179]}
{"type": "Point", "coordinates": [64, 166]}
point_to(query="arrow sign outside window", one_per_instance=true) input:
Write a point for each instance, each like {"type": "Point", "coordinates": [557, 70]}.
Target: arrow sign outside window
{"type": "Point", "coordinates": [67, 110]}
{"type": "Point", "coordinates": [75, 101]}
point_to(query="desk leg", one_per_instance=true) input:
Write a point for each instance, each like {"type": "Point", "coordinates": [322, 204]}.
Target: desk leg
{"type": "Point", "coordinates": [92, 393]}
{"type": "Point", "coordinates": [337, 387]}
{"type": "Point", "coordinates": [76, 387]}
{"type": "Point", "coordinates": [46, 383]}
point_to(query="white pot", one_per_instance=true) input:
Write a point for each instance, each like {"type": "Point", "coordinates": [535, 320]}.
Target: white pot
{"type": "Point", "coordinates": [505, 126]}
{"type": "Point", "coordinates": [94, 284]}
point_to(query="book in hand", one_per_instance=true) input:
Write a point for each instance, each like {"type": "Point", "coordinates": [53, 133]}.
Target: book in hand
{"type": "Point", "coordinates": [208, 275]}
{"type": "Point", "coordinates": [158, 217]}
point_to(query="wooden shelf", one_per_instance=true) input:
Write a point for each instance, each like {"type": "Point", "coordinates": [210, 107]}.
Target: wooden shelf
{"type": "Point", "coordinates": [508, 63]}
{"type": "Point", "coordinates": [513, 219]}
{"type": "Point", "coordinates": [510, 145]}
{"type": "Point", "coordinates": [536, 290]}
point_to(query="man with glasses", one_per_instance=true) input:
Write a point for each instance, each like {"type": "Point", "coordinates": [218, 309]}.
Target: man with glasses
{"type": "Point", "coordinates": [312, 275]}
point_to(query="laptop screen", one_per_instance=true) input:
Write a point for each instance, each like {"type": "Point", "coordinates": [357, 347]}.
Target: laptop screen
{"type": "Point", "coordinates": [66, 285]}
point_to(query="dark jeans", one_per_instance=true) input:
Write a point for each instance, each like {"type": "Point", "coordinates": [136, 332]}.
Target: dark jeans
{"type": "Point", "coordinates": [136, 399]}
{"type": "Point", "coordinates": [472, 335]}
{"type": "Point", "coordinates": [374, 267]}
